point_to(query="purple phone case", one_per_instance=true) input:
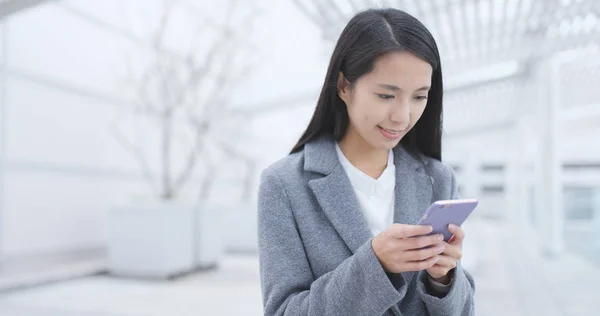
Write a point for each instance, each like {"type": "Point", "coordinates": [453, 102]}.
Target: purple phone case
{"type": "Point", "coordinates": [443, 213]}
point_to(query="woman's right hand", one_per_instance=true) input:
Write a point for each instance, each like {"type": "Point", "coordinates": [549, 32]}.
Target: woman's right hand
{"type": "Point", "coordinates": [403, 248]}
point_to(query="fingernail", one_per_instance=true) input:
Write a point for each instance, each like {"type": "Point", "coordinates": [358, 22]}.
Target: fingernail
{"type": "Point", "coordinates": [440, 237]}
{"type": "Point", "coordinates": [452, 226]}
{"type": "Point", "coordinates": [441, 249]}
{"type": "Point", "coordinates": [436, 259]}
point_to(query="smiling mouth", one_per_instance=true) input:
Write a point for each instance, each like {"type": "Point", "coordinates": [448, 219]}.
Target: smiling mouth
{"type": "Point", "coordinates": [391, 131]}
{"type": "Point", "coordinates": [390, 134]}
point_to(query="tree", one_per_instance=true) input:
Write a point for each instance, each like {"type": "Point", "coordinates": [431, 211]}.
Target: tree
{"type": "Point", "coordinates": [185, 94]}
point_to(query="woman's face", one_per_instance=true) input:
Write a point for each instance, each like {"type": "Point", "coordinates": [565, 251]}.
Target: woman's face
{"type": "Point", "coordinates": [386, 103]}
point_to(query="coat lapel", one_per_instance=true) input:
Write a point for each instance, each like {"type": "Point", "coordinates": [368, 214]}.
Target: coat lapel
{"type": "Point", "coordinates": [414, 191]}
{"type": "Point", "coordinates": [335, 194]}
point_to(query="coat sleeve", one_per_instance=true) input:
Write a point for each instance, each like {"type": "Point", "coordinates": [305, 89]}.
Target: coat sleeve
{"type": "Point", "coordinates": [358, 286]}
{"type": "Point", "coordinates": [459, 299]}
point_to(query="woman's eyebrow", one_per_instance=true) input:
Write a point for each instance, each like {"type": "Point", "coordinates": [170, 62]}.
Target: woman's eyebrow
{"type": "Point", "coordinates": [396, 88]}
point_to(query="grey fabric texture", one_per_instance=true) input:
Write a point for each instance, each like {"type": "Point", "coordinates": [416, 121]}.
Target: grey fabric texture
{"type": "Point", "coordinates": [315, 250]}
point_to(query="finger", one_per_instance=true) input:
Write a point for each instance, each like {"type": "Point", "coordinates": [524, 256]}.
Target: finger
{"type": "Point", "coordinates": [459, 234]}
{"type": "Point", "coordinates": [407, 231]}
{"type": "Point", "coordinates": [437, 272]}
{"type": "Point", "coordinates": [423, 254]}
{"type": "Point", "coordinates": [453, 251]}
{"type": "Point", "coordinates": [421, 242]}
{"type": "Point", "coordinates": [446, 262]}
{"type": "Point", "coordinates": [421, 265]}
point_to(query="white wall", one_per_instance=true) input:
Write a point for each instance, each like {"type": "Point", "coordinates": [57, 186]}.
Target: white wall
{"type": "Point", "coordinates": [63, 169]}
{"type": "Point", "coordinates": [2, 128]}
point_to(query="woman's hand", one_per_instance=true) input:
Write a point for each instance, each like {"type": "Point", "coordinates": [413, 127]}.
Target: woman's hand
{"type": "Point", "coordinates": [403, 248]}
{"type": "Point", "coordinates": [448, 259]}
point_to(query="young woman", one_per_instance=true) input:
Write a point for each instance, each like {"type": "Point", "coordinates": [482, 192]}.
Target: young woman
{"type": "Point", "coordinates": [337, 233]}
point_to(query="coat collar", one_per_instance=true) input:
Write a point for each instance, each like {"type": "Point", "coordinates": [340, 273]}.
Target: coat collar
{"type": "Point", "coordinates": [320, 156]}
{"type": "Point", "coordinates": [336, 196]}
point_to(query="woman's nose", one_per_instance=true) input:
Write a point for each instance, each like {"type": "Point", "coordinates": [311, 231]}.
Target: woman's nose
{"type": "Point", "coordinates": [401, 113]}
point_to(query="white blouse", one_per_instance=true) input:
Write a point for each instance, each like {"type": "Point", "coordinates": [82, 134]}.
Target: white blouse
{"type": "Point", "coordinates": [375, 196]}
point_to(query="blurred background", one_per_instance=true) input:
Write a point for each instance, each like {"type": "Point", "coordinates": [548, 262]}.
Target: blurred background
{"type": "Point", "coordinates": [133, 134]}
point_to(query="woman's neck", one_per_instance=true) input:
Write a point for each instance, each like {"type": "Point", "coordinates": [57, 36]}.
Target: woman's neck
{"type": "Point", "coordinates": [367, 159]}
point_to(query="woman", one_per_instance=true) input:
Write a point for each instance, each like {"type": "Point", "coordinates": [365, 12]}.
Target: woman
{"type": "Point", "coordinates": [337, 233]}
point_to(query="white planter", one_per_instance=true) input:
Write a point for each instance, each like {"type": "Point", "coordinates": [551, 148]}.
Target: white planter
{"type": "Point", "coordinates": [209, 228]}
{"type": "Point", "coordinates": [244, 238]}
{"type": "Point", "coordinates": [162, 240]}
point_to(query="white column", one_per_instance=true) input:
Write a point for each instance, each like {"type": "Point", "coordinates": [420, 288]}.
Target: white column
{"type": "Point", "coordinates": [549, 192]}
{"type": "Point", "coordinates": [3, 128]}
{"type": "Point", "coordinates": [596, 220]}
{"type": "Point", "coordinates": [524, 157]}
{"type": "Point", "coordinates": [512, 176]}
{"type": "Point", "coordinates": [518, 183]}
{"type": "Point", "coordinates": [471, 178]}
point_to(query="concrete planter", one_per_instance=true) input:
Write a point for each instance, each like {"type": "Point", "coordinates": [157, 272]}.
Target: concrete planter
{"type": "Point", "coordinates": [162, 240]}
{"type": "Point", "coordinates": [243, 237]}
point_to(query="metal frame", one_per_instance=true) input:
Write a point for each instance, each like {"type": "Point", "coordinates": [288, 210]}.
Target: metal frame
{"type": "Point", "coordinates": [474, 33]}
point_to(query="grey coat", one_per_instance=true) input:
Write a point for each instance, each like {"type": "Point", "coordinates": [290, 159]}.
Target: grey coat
{"type": "Point", "coordinates": [316, 256]}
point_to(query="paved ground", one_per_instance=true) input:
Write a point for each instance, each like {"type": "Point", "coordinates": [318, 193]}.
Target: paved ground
{"type": "Point", "coordinates": [202, 294]}
{"type": "Point", "coordinates": [512, 280]}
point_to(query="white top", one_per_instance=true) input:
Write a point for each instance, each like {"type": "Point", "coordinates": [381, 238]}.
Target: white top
{"type": "Point", "coordinates": [376, 196]}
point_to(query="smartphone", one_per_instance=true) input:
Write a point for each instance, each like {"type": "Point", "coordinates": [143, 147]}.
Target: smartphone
{"type": "Point", "coordinates": [440, 214]}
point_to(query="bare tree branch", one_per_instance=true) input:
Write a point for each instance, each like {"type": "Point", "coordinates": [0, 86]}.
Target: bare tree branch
{"type": "Point", "coordinates": [135, 152]}
{"type": "Point", "coordinates": [166, 139]}
{"type": "Point", "coordinates": [248, 180]}
{"type": "Point", "coordinates": [147, 105]}
{"type": "Point", "coordinates": [192, 158]}
{"type": "Point", "coordinates": [190, 90]}
{"type": "Point", "coordinates": [208, 179]}
{"type": "Point", "coordinates": [211, 23]}
{"type": "Point", "coordinates": [202, 126]}
{"type": "Point", "coordinates": [248, 161]}
{"type": "Point", "coordinates": [168, 6]}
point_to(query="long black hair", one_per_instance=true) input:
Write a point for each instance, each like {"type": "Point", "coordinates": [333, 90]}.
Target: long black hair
{"type": "Point", "coordinates": [367, 36]}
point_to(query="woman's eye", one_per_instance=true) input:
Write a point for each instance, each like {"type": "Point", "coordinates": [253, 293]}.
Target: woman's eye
{"type": "Point", "coordinates": [420, 98]}
{"type": "Point", "coordinates": [385, 96]}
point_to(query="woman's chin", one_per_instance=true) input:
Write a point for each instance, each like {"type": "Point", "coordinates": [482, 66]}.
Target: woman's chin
{"type": "Point", "coordinates": [385, 144]}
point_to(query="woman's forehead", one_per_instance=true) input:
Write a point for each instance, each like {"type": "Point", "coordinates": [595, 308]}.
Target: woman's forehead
{"type": "Point", "coordinates": [400, 68]}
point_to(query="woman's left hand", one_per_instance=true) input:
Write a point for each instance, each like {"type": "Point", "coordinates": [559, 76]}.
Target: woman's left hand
{"type": "Point", "coordinates": [448, 259]}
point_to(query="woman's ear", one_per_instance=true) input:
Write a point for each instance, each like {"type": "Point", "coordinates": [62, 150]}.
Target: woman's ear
{"type": "Point", "coordinates": [343, 87]}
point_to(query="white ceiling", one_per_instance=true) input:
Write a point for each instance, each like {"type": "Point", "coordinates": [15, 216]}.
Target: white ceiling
{"type": "Point", "coordinates": [475, 33]}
